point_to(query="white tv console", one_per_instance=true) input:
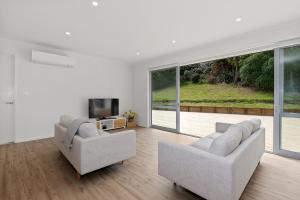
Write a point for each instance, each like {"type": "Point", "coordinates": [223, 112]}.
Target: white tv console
{"type": "Point", "coordinates": [113, 123]}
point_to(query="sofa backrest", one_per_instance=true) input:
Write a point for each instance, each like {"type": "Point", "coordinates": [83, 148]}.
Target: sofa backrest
{"type": "Point", "coordinates": [224, 144]}
{"type": "Point", "coordinates": [244, 160]}
{"type": "Point", "coordinates": [258, 135]}
{"type": "Point", "coordinates": [230, 139]}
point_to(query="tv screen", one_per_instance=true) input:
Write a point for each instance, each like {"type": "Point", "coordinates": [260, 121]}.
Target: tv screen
{"type": "Point", "coordinates": [103, 108]}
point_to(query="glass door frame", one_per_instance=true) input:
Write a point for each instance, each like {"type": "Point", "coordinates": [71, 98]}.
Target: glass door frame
{"type": "Point", "coordinates": [279, 103]}
{"type": "Point", "coordinates": [177, 104]}
{"type": "Point", "coordinates": [278, 100]}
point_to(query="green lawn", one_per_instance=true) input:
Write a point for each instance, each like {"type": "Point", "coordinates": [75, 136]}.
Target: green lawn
{"type": "Point", "coordinates": [216, 95]}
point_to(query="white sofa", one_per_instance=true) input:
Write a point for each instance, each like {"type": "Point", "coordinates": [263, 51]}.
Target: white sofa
{"type": "Point", "coordinates": [211, 176]}
{"type": "Point", "coordinates": [92, 153]}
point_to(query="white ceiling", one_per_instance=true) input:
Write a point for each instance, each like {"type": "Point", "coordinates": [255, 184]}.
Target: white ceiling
{"type": "Point", "coordinates": [120, 28]}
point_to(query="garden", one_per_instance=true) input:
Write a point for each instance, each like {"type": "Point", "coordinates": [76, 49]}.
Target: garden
{"type": "Point", "coordinates": [245, 81]}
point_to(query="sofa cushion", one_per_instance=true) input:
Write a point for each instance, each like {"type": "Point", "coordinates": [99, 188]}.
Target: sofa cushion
{"type": "Point", "coordinates": [246, 128]}
{"type": "Point", "coordinates": [65, 120]}
{"type": "Point", "coordinates": [102, 132]}
{"type": "Point", "coordinates": [227, 142]}
{"type": "Point", "coordinates": [256, 124]}
{"type": "Point", "coordinates": [202, 143]}
{"type": "Point", "coordinates": [214, 135]}
{"type": "Point", "coordinates": [87, 130]}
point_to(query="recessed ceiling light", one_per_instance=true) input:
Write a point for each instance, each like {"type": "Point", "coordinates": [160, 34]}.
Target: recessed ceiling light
{"type": "Point", "coordinates": [67, 33]}
{"type": "Point", "coordinates": [95, 3]}
{"type": "Point", "coordinates": [173, 41]}
{"type": "Point", "coordinates": [138, 53]}
{"type": "Point", "coordinates": [239, 19]}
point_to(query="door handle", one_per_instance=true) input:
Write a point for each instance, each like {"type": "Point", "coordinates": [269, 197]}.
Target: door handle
{"type": "Point", "coordinates": [9, 102]}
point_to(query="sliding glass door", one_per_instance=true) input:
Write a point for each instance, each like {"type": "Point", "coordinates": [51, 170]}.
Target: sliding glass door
{"type": "Point", "coordinates": [164, 98]}
{"type": "Point", "coordinates": [287, 135]}
{"type": "Point", "coordinates": [232, 90]}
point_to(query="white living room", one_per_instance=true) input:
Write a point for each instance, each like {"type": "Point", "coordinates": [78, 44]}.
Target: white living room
{"type": "Point", "coordinates": [139, 99]}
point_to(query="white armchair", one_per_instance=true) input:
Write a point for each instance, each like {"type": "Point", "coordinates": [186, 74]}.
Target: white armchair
{"type": "Point", "coordinates": [89, 154]}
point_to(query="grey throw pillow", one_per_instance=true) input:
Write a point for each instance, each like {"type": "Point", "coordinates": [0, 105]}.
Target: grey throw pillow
{"type": "Point", "coordinates": [202, 143]}
{"type": "Point", "coordinates": [226, 143]}
{"type": "Point", "coordinates": [87, 130]}
{"type": "Point", "coordinates": [256, 124]}
{"type": "Point", "coordinates": [246, 128]}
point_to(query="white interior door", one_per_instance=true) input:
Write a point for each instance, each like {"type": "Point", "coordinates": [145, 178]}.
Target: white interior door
{"type": "Point", "coordinates": [6, 98]}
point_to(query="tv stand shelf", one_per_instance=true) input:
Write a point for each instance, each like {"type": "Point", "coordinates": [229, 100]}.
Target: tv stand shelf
{"type": "Point", "coordinates": [111, 123]}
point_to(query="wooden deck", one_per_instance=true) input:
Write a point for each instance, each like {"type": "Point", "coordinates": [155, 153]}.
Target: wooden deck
{"type": "Point", "coordinates": [201, 124]}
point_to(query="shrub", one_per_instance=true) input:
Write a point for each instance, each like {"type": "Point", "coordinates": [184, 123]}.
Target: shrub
{"type": "Point", "coordinates": [211, 79]}
{"type": "Point", "coordinates": [188, 71]}
{"type": "Point", "coordinates": [202, 78]}
{"type": "Point", "coordinates": [195, 78]}
{"type": "Point", "coordinates": [292, 72]}
{"type": "Point", "coordinates": [266, 80]}
{"type": "Point", "coordinates": [252, 68]}
{"type": "Point", "coordinates": [187, 75]}
{"type": "Point", "coordinates": [163, 78]}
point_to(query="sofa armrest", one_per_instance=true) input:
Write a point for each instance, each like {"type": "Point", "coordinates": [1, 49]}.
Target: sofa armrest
{"type": "Point", "coordinates": [222, 127]}
{"type": "Point", "coordinates": [245, 159]}
{"type": "Point", "coordinates": [199, 171]}
{"type": "Point", "coordinates": [101, 151]}
{"type": "Point", "coordinates": [59, 133]}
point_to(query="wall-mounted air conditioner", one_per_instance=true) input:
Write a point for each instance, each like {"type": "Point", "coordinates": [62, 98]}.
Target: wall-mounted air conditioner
{"type": "Point", "coordinates": [51, 59]}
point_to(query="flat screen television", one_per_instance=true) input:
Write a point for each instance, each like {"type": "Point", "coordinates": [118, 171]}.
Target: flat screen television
{"type": "Point", "coordinates": [103, 108]}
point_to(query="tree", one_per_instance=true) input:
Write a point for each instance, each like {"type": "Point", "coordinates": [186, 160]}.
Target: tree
{"type": "Point", "coordinates": [292, 70]}
{"type": "Point", "coordinates": [266, 80]}
{"type": "Point", "coordinates": [257, 70]}
{"type": "Point", "coordinates": [195, 78]}
{"type": "Point", "coordinates": [163, 78]}
{"type": "Point", "coordinates": [221, 72]}
{"type": "Point", "coordinates": [236, 65]}
{"type": "Point", "coordinates": [188, 72]}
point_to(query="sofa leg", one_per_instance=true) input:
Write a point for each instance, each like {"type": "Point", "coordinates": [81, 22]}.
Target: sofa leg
{"type": "Point", "coordinates": [78, 176]}
{"type": "Point", "coordinates": [122, 162]}
{"type": "Point", "coordinates": [174, 184]}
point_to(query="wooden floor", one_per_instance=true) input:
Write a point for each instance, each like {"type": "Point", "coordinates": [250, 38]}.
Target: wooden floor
{"type": "Point", "coordinates": [36, 170]}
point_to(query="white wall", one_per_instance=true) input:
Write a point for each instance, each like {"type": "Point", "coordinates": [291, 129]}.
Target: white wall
{"type": "Point", "coordinates": [258, 40]}
{"type": "Point", "coordinates": [43, 92]}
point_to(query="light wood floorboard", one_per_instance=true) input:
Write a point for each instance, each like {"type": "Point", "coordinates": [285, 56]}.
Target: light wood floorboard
{"type": "Point", "coordinates": [37, 170]}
